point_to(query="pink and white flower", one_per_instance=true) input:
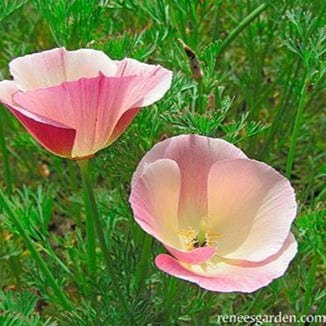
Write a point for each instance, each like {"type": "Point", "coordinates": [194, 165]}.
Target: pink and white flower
{"type": "Point", "coordinates": [75, 103]}
{"type": "Point", "coordinates": [224, 218]}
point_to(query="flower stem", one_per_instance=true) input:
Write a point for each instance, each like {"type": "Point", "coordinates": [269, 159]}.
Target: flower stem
{"type": "Point", "coordinates": [74, 188]}
{"type": "Point", "coordinates": [90, 212]}
{"type": "Point", "coordinates": [35, 254]}
{"type": "Point", "coordinates": [242, 25]}
{"type": "Point", "coordinates": [141, 269]}
{"type": "Point", "coordinates": [4, 150]}
{"type": "Point", "coordinates": [171, 292]}
{"type": "Point", "coordinates": [296, 128]}
{"type": "Point", "coordinates": [93, 219]}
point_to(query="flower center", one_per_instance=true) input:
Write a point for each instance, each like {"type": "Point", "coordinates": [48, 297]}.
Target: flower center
{"type": "Point", "coordinates": [204, 237]}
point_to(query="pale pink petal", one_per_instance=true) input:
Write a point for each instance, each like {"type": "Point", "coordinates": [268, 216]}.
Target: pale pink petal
{"type": "Point", "coordinates": [92, 106]}
{"type": "Point", "coordinates": [156, 82]}
{"type": "Point", "coordinates": [55, 137]}
{"type": "Point", "coordinates": [129, 67]}
{"type": "Point", "coordinates": [52, 67]}
{"type": "Point", "coordinates": [251, 206]}
{"type": "Point", "coordinates": [233, 277]}
{"type": "Point", "coordinates": [7, 89]}
{"type": "Point", "coordinates": [154, 201]}
{"type": "Point", "coordinates": [194, 155]}
{"type": "Point", "coordinates": [196, 256]}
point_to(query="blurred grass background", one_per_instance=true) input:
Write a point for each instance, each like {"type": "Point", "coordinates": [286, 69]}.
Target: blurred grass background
{"type": "Point", "coordinates": [263, 88]}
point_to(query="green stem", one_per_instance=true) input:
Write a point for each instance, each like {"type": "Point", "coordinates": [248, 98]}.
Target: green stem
{"type": "Point", "coordinates": [280, 115]}
{"type": "Point", "coordinates": [47, 248]}
{"type": "Point", "coordinates": [90, 211]}
{"type": "Point", "coordinates": [74, 188]}
{"type": "Point", "coordinates": [143, 265]}
{"type": "Point", "coordinates": [4, 150]}
{"type": "Point", "coordinates": [296, 128]}
{"type": "Point", "coordinates": [243, 24]}
{"type": "Point", "coordinates": [35, 254]}
{"type": "Point", "coordinates": [310, 284]}
{"type": "Point", "coordinates": [200, 97]}
{"type": "Point", "coordinates": [93, 219]}
{"type": "Point", "coordinates": [171, 294]}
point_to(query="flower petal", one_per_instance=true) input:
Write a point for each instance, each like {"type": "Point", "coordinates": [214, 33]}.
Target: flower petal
{"type": "Point", "coordinates": [252, 206]}
{"type": "Point", "coordinates": [52, 67]}
{"type": "Point", "coordinates": [194, 155]}
{"type": "Point", "coordinates": [92, 106]}
{"type": "Point", "coordinates": [154, 201]}
{"type": "Point", "coordinates": [122, 124]}
{"type": "Point", "coordinates": [234, 277]}
{"type": "Point", "coordinates": [196, 256]}
{"type": "Point", "coordinates": [55, 137]}
{"type": "Point", "coordinates": [157, 80]}
{"type": "Point", "coordinates": [7, 89]}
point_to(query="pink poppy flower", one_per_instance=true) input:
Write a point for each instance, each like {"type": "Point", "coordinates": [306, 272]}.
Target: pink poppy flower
{"type": "Point", "coordinates": [224, 218]}
{"type": "Point", "coordinates": [75, 103]}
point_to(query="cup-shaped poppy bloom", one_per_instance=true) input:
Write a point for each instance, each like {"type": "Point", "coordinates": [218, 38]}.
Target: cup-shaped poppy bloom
{"type": "Point", "coordinates": [224, 218]}
{"type": "Point", "coordinates": [75, 103]}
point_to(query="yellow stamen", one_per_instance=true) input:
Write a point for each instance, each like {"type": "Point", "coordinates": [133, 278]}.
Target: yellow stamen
{"type": "Point", "coordinates": [204, 237]}
{"type": "Point", "coordinates": [188, 235]}
{"type": "Point", "coordinates": [212, 237]}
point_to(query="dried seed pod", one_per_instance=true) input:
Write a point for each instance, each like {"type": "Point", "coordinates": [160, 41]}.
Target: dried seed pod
{"type": "Point", "coordinates": [196, 70]}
